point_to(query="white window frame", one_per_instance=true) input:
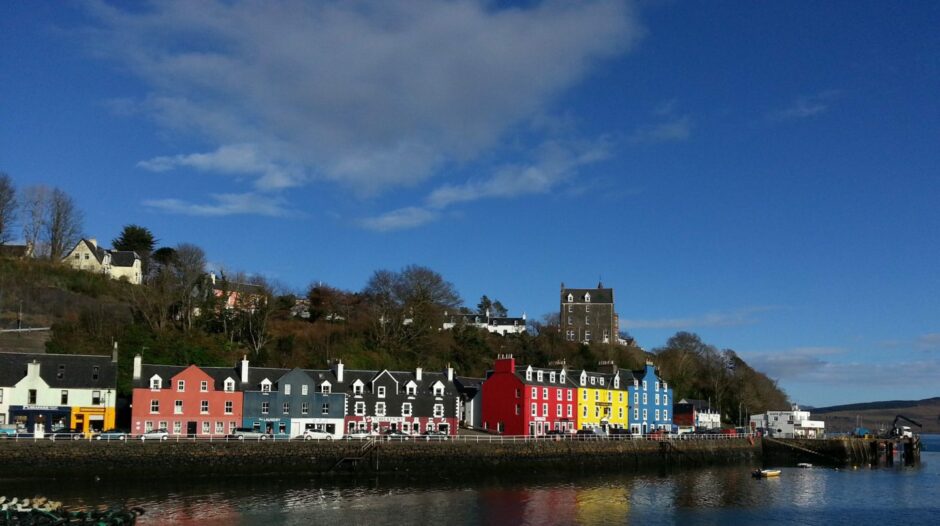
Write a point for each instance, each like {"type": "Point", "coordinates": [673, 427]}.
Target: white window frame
{"type": "Point", "coordinates": [438, 390]}
{"type": "Point", "coordinates": [360, 409]}
{"type": "Point", "coordinates": [406, 409]}
{"type": "Point", "coordinates": [203, 407]}
{"type": "Point", "coordinates": [206, 427]}
{"type": "Point", "coordinates": [438, 411]}
{"type": "Point", "coordinates": [177, 407]}
{"type": "Point", "coordinates": [156, 383]}
{"type": "Point", "coordinates": [287, 389]}
{"type": "Point", "coordinates": [219, 427]}
{"type": "Point", "coordinates": [540, 376]}
{"type": "Point", "coordinates": [304, 408]}
{"type": "Point", "coordinates": [535, 410]}
{"type": "Point", "coordinates": [203, 386]}
{"type": "Point", "coordinates": [380, 409]}
{"type": "Point", "coordinates": [154, 407]}
{"type": "Point", "coordinates": [304, 389]}
{"type": "Point", "coordinates": [229, 385]}
{"type": "Point", "coordinates": [177, 427]}
{"type": "Point", "coordinates": [180, 386]}
{"type": "Point", "coordinates": [411, 389]}
{"type": "Point", "coordinates": [545, 393]}
{"type": "Point", "coordinates": [380, 391]}
{"type": "Point", "coordinates": [229, 407]}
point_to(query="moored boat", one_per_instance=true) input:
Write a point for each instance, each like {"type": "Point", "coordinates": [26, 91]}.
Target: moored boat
{"type": "Point", "coordinates": [765, 473]}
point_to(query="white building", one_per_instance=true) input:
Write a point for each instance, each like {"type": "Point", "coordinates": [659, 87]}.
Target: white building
{"type": "Point", "coordinates": [500, 325]}
{"type": "Point", "coordinates": [116, 264]}
{"type": "Point", "coordinates": [788, 424]}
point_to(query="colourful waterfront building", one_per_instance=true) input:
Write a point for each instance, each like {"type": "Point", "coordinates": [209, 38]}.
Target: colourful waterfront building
{"type": "Point", "coordinates": [40, 393]}
{"type": "Point", "coordinates": [650, 401]}
{"type": "Point", "coordinates": [187, 400]}
{"type": "Point", "coordinates": [603, 397]}
{"type": "Point", "coordinates": [290, 401]}
{"type": "Point", "coordinates": [528, 401]}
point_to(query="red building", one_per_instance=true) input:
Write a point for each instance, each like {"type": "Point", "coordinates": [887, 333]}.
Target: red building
{"type": "Point", "coordinates": [188, 401]}
{"type": "Point", "coordinates": [528, 401]}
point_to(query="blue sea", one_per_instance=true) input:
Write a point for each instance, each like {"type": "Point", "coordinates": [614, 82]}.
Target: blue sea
{"type": "Point", "coordinates": [724, 496]}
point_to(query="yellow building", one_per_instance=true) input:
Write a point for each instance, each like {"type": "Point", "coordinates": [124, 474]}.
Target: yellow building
{"type": "Point", "coordinates": [603, 399]}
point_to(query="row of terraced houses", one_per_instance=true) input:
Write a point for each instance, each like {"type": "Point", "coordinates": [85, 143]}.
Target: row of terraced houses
{"type": "Point", "coordinates": [40, 393]}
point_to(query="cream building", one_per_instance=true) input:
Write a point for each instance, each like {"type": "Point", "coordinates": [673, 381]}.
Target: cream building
{"type": "Point", "coordinates": [117, 264]}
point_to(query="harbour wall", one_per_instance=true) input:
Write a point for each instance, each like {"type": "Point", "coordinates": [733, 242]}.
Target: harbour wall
{"type": "Point", "coordinates": [170, 459]}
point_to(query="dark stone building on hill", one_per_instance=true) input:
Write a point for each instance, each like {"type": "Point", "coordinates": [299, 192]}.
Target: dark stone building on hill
{"type": "Point", "coordinates": [588, 315]}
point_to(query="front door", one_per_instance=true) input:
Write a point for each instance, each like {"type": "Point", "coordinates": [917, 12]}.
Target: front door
{"type": "Point", "coordinates": [191, 429]}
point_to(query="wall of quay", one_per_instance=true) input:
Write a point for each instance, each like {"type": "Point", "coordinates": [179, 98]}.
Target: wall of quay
{"type": "Point", "coordinates": [134, 460]}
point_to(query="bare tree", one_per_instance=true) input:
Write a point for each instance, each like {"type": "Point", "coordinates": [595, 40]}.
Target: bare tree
{"type": "Point", "coordinates": [189, 270]}
{"type": "Point", "coordinates": [34, 207]}
{"type": "Point", "coordinates": [7, 208]}
{"type": "Point", "coordinates": [64, 227]}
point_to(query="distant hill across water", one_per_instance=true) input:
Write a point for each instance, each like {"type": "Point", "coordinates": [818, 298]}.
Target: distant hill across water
{"type": "Point", "coordinates": [880, 415]}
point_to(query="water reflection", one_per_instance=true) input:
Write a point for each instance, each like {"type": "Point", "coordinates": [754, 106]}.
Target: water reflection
{"type": "Point", "coordinates": [718, 495]}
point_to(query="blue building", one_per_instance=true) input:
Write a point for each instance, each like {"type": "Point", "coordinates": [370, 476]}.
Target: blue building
{"type": "Point", "coordinates": [650, 401]}
{"type": "Point", "coordinates": [291, 402]}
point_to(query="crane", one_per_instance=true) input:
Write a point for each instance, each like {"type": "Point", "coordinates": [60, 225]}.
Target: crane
{"type": "Point", "coordinates": [903, 431]}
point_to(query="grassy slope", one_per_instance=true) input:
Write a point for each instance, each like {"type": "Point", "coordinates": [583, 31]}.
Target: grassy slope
{"type": "Point", "coordinates": [877, 415]}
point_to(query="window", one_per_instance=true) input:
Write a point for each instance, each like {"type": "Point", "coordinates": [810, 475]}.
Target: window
{"type": "Point", "coordinates": [597, 396]}
{"type": "Point", "coordinates": [265, 386]}
{"type": "Point", "coordinates": [620, 396]}
{"type": "Point", "coordinates": [303, 390]}
{"type": "Point", "coordinates": [148, 426]}
{"type": "Point", "coordinates": [584, 394]}
{"type": "Point", "coordinates": [587, 335]}
{"type": "Point", "coordinates": [265, 407]}
{"type": "Point", "coordinates": [570, 308]}
{"type": "Point", "coordinates": [657, 385]}
{"type": "Point", "coordinates": [285, 408]}
{"type": "Point", "coordinates": [304, 408]}
{"type": "Point", "coordinates": [657, 399]}
{"type": "Point", "coordinates": [636, 398]}
{"type": "Point", "coordinates": [644, 399]}
{"type": "Point", "coordinates": [636, 414]}
{"type": "Point", "coordinates": [96, 398]}
{"type": "Point", "coordinates": [518, 393]}
{"type": "Point", "coordinates": [551, 377]}
{"type": "Point", "coordinates": [570, 298]}
{"type": "Point", "coordinates": [287, 389]}
{"type": "Point", "coordinates": [570, 394]}
{"type": "Point", "coordinates": [665, 414]}
{"type": "Point", "coordinates": [154, 407]}
{"type": "Point", "coordinates": [558, 410]}
{"type": "Point", "coordinates": [229, 385]}
{"type": "Point", "coordinates": [620, 412]}
{"type": "Point", "coordinates": [569, 411]}
{"type": "Point", "coordinates": [665, 399]}
{"type": "Point", "coordinates": [155, 383]}
{"type": "Point", "coordinates": [518, 409]}
{"type": "Point", "coordinates": [438, 410]}
{"type": "Point", "coordinates": [380, 391]}
{"type": "Point", "coordinates": [644, 385]}
{"type": "Point", "coordinates": [593, 380]}
{"type": "Point", "coordinates": [644, 415]}
{"type": "Point", "coordinates": [657, 414]}
{"type": "Point", "coordinates": [203, 407]}
{"type": "Point", "coordinates": [65, 398]}
{"type": "Point", "coordinates": [61, 373]}
{"type": "Point", "coordinates": [584, 411]}
{"type": "Point", "coordinates": [205, 427]}
{"type": "Point", "coordinates": [561, 377]}
{"type": "Point", "coordinates": [540, 376]}
{"type": "Point", "coordinates": [535, 411]}
{"type": "Point", "coordinates": [558, 395]}
{"type": "Point", "coordinates": [570, 320]}
{"type": "Point", "coordinates": [535, 393]}
{"type": "Point", "coordinates": [177, 427]}
{"type": "Point", "coordinates": [360, 408]}
{"type": "Point", "coordinates": [597, 412]}
{"type": "Point", "coordinates": [180, 386]}
{"type": "Point", "coordinates": [380, 409]}
{"type": "Point", "coordinates": [570, 335]}
{"type": "Point", "coordinates": [528, 375]}
{"type": "Point", "coordinates": [545, 393]}
{"type": "Point", "coordinates": [325, 408]}
{"type": "Point", "coordinates": [94, 372]}
{"type": "Point", "coordinates": [219, 428]}
{"type": "Point", "coordinates": [406, 409]}
{"type": "Point", "coordinates": [228, 407]}
{"type": "Point", "coordinates": [587, 297]}
{"type": "Point", "coordinates": [357, 387]}
{"type": "Point", "coordinates": [411, 389]}
{"type": "Point", "coordinates": [438, 390]}
{"type": "Point", "coordinates": [664, 386]}
{"type": "Point", "coordinates": [587, 320]}
{"type": "Point", "coordinates": [204, 386]}
{"type": "Point", "coordinates": [610, 396]}
{"type": "Point", "coordinates": [177, 407]}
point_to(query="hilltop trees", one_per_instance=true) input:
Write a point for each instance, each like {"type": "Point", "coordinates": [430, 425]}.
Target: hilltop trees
{"type": "Point", "coordinates": [51, 221]}
{"type": "Point", "coordinates": [138, 239]}
{"type": "Point", "coordinates": [7, 208]}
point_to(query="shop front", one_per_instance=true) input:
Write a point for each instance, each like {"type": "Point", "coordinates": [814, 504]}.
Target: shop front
{"type": "Point", "coordinates": [39, 419]}
{"type": "Point", "coordinates": [91, 420]}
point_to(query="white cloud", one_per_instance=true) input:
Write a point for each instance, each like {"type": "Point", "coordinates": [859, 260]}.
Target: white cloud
{"type": "Point", "coordinates": [371, 95]}
{"type": "Point", "coordinates": [555, 163]}
{"type": "Point", "coordinates": [225, 205]}
{"type": "Point", "coordinates": [401, 219]}
{"type": "Point", "coordinates": [806, 106]}
{"type": "Point", "coordinates": [712, 319]}
{"type": "Point", "coordinates": [239, 159]}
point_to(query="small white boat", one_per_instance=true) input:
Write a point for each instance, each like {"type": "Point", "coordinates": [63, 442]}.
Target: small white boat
{"type": "Point", "coordinates": [765, 473]}
{"type": "Point", "coordinates": [804, 465]}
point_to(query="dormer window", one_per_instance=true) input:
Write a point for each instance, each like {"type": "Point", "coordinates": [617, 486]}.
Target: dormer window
{"type": "Point", "coordinates": [570, 298]}
{"type": "Point", "coordinates": [601, 381]}
{"type": "Point", "coordinates": [551, 377]}
{"type": "Point", "coordinates": [180, 385]}
{"type": "Point", "coordinates": [616, 382]}
{"type": "Point", "coordinates": [636, 383]}
{"type": "Point", "coordinates": [229, 385]}
{"type": "Point", "coordinates": [156, 382]}
{"type": "Point", "coordinates": [583, 379]}
{"type": "Point", "coordinates": [540, 376]}
{"type": "Point", "coordinates": [411, 389]}
{"type": "Point", "coordinates": [357, 387]}
{"type": "Point", "coordinates": [593, 380]}
{"type": "Point", "coordinates": [665, 386]}
{"type": "Point", "coordinates": [657, 386]}
{"type": "Point", "coordinates": [266, 386]}
{"type": "Point", "coordinates": [528, 375]}
{"type": "Point", "coordinates": [326, 388]}
{"type": "Point", "coordinates": [438, 389]}
{"type": "Point", "coordinates": [587, 297]}
{"type": "Point", "coordinates": [561, 377]}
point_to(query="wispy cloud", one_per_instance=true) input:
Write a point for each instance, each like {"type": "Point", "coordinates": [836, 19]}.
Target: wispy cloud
{"type": "Point", "coordinates": [226, 205]}
{"type": "Point", "coordinates": [369, 95]}
{"type": "Point", "coordinates": [671, 127]}
{"type": "Point", "coordinates": [806, 106]}
{"type": "Point", "coordinates": [712, 319]}
{"type": "Point", "coordinates": [240, 159]}
{"type": "Point", "coordinates": [401, 219]}
{"type": "Point", "coordinates": [928, 342]}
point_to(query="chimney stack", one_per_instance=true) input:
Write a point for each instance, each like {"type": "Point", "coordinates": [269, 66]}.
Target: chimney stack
{"type": "Point", "coordinates": [138, 366]}
{"type": "Point", "coordinates": [244, 369]}
{"type": "Point", "coordinates": [339, 371]}
{"type": "Point", "coordinates": [114, 353]}
{"type": "Point", "coordinates": [450, 373]}
{"type": "Point", "coordinates": [418, 374]}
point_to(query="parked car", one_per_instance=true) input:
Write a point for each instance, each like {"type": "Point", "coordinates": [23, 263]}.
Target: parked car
{"type": "Point", "coordinates": [7, 431]}
{"type": "Point", "coordinates": [434, 435]}
{"type": "Point", "coordinates": [156, 434]}
{"type": "Point", "coordinates": [112, 434]}
{"type": "Point", "coordinates": [358, 434]}
{"type": "Point", "coordinates": [587, 434]}
{"type": "Point", "coordinates": [394, 434]}
{"type": "Point", "coordinates": [314, 434]}
{"type": "Point", "coordinates": [64, 433]}
{"type": "Point", "coordinates": [242, 433]}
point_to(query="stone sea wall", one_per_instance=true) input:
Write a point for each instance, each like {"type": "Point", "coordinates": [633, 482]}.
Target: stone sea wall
{"type": "Point", "coordinates": [47, 459]}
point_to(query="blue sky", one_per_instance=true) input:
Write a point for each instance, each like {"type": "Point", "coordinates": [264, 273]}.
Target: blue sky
{"type": "Point", "coordinates": [764, 174]}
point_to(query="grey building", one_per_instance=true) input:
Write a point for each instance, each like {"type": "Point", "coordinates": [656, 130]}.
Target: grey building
{"type": "Point", "coordinates": [588, 315]}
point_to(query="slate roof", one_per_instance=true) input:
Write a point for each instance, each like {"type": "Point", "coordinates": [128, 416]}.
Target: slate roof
{"type": "Point", "coordinates": [507, 321]}
{"type": "Point", "coordinates": [569, 381]}
{"type": "Point", "coordinates": [14, 251]}
{"type": "Point", "coordinates": [598, 295]}
{"type": "Point", "coordinates": [76, 370]}
{"type": "Point", "coordinates": [218, 375]}
{"type": "Point", "coordinates": [123, 258]}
